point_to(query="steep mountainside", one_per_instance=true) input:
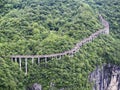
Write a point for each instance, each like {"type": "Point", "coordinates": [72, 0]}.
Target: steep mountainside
{"type": "Point", "coordinates": [33, 27]}
{"type": "Point", "coordinates": [110, 10]}
{"type": "Point", "coordinates": [106, 77]}
{"type": "Point", "coordinates": [37, 27]}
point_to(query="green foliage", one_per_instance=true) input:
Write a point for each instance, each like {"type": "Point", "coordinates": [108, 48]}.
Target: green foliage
{"type": "Point", "coordinates": [37, 27]}
{"type": "Point", "coordinates": [111, 10]}
{"type": "Point", "coordinates": [10, 76]}
{"type": "Point", "coordinates": [28, 26]}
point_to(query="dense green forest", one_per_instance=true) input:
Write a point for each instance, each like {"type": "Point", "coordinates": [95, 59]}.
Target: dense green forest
{"type": "Point", "coordinates": [38, 27]}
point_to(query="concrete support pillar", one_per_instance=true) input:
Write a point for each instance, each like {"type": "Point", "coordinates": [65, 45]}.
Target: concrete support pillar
{"type": "Point", "coordinates": [15, 60]}
{"type": "Point", "coordinates": [45, 59]}
{"type": "Point", "coordinates": [32, 60]}
{"type": "Point", "coordinates": [38, 60]}
{"type": "Point", "coordinates": [53, 57]}
{"type": "Point", "coordinates": [107, 31]}
{"type": "Point", "coordinates": [60, 57]}
{"type": "Point", "coordinates": [25, 65]}
{"type": "Point", "coordinates": [20, 63]}
{"type": "Point", "coordinates": [70, 54]}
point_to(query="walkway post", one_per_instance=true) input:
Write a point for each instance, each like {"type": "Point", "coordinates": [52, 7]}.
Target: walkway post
{"type": "Point", "coordinates": [20, 63]}
{"type": "Point", "coordinates": [15, 60]}
{"type": "Point", "coordinates": [45, 59]}
{"type": "Point", "coordinates": [60, 57]}
{"type": "Point", "coordinates": [25, 65]}
{"type": "Point", "coordinates": [38, 60]}
{"type": "Point", "coordinates": [32, 60]}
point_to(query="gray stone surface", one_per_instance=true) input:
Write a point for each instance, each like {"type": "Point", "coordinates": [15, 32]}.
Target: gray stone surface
{"type": "Point", "coordinates": [106, 77]}
{"type": "Point", "coordinates": [35, 87]}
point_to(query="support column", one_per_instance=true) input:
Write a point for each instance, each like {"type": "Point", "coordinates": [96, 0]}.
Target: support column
{"type": "Point", "coordinates": [60, 57]}
{"type": "Point", "coordinates": [15, 60]}
{"type": "Point", "coordinates": [32, 60]}
{"type": "Point", "coordinates": [52, 58]}
{"type": "Point", "coordinates": [45, 59]}
{"type": "Point", "coordinates": [20, 63]}
{"type": "Point", "coordinates": [25, 65]}
{"type": "Point", "coordinates": [107, 31]}
{"type": "Point", "coordinates": [38, 60]}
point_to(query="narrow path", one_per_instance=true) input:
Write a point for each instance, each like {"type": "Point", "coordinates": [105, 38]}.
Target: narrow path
{"type": "Point", "coordinates": [71, 52]}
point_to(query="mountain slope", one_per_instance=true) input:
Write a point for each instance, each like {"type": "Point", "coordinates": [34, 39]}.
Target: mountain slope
{"type": "Point", "coordinates": [37, 27]}
{"type": "Point", "coordinates": [40, 22]}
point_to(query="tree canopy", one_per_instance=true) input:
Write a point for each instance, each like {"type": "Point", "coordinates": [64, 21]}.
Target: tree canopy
{"type": "Point", "coordinates": [38, 27]}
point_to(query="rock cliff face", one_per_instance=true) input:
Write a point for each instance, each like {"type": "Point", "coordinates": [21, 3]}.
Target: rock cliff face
{"type": "Point", "coordinates": [106, 77]}
{"type": "Point", "coordinates": [35, 87]}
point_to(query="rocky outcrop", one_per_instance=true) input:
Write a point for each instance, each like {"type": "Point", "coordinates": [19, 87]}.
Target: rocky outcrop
{"type": "Point", "coordinates": [35, 87]}
{"type": "Point", "coordinates": [106, 77]}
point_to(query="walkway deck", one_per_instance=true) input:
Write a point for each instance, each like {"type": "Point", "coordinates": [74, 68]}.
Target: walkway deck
{"type": "Point", "coordinates": [71, 52]}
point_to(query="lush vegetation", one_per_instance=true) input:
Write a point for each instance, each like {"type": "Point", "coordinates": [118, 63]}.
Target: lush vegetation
{"type": "Point", "coordinates": [110, 9]}
{"type": "Point", "coordinates": [34, 27]}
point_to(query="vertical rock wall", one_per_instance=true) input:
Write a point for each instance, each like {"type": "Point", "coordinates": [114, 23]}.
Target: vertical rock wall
{"type": "Point", "coordinates": [106, 77]}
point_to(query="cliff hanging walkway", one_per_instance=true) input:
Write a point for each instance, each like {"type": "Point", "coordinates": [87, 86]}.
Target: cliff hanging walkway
{"type": "Point", "coordinates": [20, 58]}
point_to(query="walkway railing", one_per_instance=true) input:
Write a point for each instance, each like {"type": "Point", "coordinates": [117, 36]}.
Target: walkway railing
{"type": "Point", "coordinates": [20, 58]}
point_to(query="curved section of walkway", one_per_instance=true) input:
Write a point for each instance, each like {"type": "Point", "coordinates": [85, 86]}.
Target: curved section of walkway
{"type": "Point", "coordinates": [39, 58]}
{"type": "Point", "coordinates": [76, 48]}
